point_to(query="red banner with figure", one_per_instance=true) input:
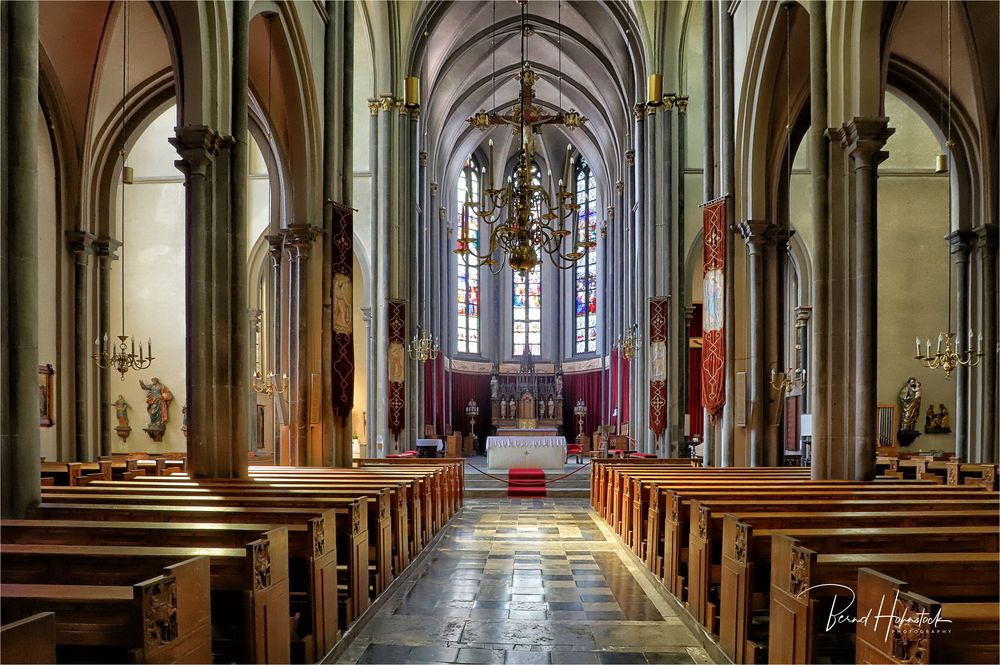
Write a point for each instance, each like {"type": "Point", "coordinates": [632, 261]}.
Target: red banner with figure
{"type": "Point", "coordinates": [396, 366]}
{"type": "Point", "coordinates": [658, 308]}
{"type": "Point", "coordinates": [713, 358]}
{"type": "Point", "coordinates": [342, 351]}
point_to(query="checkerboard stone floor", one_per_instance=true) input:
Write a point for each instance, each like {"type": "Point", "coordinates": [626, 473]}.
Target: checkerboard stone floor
{"type": "Point", "coordinates": [526, 581]}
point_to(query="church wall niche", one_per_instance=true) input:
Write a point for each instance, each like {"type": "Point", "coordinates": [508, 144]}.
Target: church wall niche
{"type": "Point", "coordinates": [154, 283]}
{"type": "Point", "coordinates": [913, 265]}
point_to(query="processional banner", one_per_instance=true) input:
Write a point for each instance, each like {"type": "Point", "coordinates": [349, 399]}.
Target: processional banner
{"type": "Point", "coordinates": [342, 229]}
{"type": "Point", "coordinates": [396, 366]}
{"type": "Point", "coordinates": [658, 308]}
{"type": "Point", "coordinates": [713, 358]}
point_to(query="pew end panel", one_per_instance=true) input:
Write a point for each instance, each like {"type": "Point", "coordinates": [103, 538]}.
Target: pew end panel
{"type": "Point", "coordinates": [29, 640]}
{"type": "Point", "coordinates": [792, 608]}
{"type": "Point", "coordinates": [906, 627]}
{"type": "Point", "coordinates": [267, 607]}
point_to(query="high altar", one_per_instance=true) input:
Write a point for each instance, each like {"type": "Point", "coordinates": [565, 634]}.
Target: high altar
{"type": "Point", "coordinates": [527, 402]}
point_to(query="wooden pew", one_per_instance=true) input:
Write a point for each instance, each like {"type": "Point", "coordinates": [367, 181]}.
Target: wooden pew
{"type": "Point", "coordinates": [969, 636]}
{"type": "Point", "coordinates": [312, 559]}
{"type": "Point", "coordinates": [744, 571]}
{"type": "Point", "coordinates": [804, 583]}
{"type": "Point", "coordinates": [29, 640]}
{"type": "Point", "coordinates": [352, 545]}
{"type": "Point", "coordinates": [64, 474]}
{"type": "Point", "coordinates": [677, 521]}
{"type": "Point", "coordinates": [454, 466]}
{"type": "Point", "coordinates": [383, 538]}
{"type": "Point", "coordinates": [165, 617]}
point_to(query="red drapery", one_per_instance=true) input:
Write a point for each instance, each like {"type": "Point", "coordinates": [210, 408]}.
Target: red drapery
{"type": "Point", "coordinates": [695, 411]}
{"type": "Point", "coordinates": [464, 388]}
{"type": "Point", "coordinates": [585, 386]}
{"type": "Point", "coordinates": [713, 313]}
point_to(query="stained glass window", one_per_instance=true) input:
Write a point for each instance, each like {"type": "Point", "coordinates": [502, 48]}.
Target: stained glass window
{"type": "Point", "coordinates": [527, 300]}
{"type": "Point", "coordinates": [585, 271]}
{"type": "Point", "coordinates": [468, 267]}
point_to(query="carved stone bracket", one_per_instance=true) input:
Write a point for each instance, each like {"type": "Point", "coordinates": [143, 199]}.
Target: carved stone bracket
{"type": "Point", "coordinates": [81, 245]}
{"type": "Point", "coordinates": [756, 234]}
{"type": "Point", "coordinates": [197, 146]}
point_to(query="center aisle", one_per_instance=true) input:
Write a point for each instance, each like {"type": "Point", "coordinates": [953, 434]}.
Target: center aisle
{"type": "Point", "coordinates": [526, 581]}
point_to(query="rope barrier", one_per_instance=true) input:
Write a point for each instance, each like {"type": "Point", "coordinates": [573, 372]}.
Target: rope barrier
{"type": "Point", "coordinates": [515, 482]}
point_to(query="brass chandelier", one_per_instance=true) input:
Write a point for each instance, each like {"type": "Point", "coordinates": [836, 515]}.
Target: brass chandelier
{"type": "Point", "coordinates": [107, 355]}
{"type": "Point", "coordinates": [525, 219]}
{"type": "Point", "coordinates": [423, 346]}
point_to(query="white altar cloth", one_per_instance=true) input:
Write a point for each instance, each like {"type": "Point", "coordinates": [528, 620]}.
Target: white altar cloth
{"type": "Point", "coordinates": [526, 452]}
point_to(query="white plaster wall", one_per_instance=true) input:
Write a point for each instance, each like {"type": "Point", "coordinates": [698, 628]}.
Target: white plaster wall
{"type": "Point", "coordinates": [49, 252]}
{"type": "Point", "coordinates": [154, 279]}
{"type": "Point", "coordinates": [913, 265]}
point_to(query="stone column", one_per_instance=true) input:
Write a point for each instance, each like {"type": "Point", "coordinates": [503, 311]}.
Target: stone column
{"type": "Point", "coordinates": [774, 280]}
{"type": "Point", "coordinates": [986, 243]}
{"type": "Point", "coordinates": [727, 175]}
{"type": "Point", "coordinates": [244, 412]}
{"type": "Point", "coordinates": [372, 383]}
{"type": "Point", "coordinates": [215, 352]}
{"type": "Point", "coordinates": [801, 359]}
{"type": "Point", "coordinates": [961, 243]}
{"type": "Point", "coordinates": [19, 434]}
{"type": "Point", "coordinates": [820, 362]}
{"type": "Point", "coordinates": [681, 298]}
{"type": "Point", "coordinates": [275, 251]}
{"type": "Point", "coordinates": [640, 389]}
{"type": "Point", "coordinates": [709, 190]}
{"type": "Point", "coordinates": [757, 236]}
{"type": "Point", "coordinates": [80, 245]}
{"type": "Point", "coordinates": [864, 138]}
{"type": "Point", "coordinates": [298, 240]}
{"type": "Point", "coordinates": [366, 314]}
{"type": "Point", "coordinates": [383, 276]}
{"type": "Point", "coordinates": [105, 249]}
{"type": "Point", "coordinates": [19, 438]}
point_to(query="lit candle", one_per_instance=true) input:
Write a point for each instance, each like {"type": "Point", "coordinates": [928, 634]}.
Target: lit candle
{"type": "Point", "coordinates": [979, 350]}
{"type": "Point", "coordinates": [918, 347]}
{"type": "Point", "coordinates": [489, 179]}
{"type": "Point", "coordinates": [927, 354]}
{"type": "Point", "coordinates": [939, 343]}
{"type": "Point", "coordinates": [105, 341]}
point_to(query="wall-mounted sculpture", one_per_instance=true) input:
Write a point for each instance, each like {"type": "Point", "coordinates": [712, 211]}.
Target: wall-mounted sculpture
{"type": "Point", "coordinates": [158, 399]}
{"type": "Point", "coordinates": [123, 429]}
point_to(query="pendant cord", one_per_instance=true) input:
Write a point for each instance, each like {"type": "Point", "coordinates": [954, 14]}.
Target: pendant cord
{"type": "Point", "coordinates": [494, 55]}
{"type": "Point", "coordinates": [124, 139]}
{"type": "Point", "coordinates": [948, 144]}
{"type": "Point", "coordinates": [788, 95]}
{"type": "Point", "coordinates": [559, 47]}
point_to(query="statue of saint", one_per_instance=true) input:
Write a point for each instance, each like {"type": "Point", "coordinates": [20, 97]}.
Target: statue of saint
{"type": "Point", "coordinates": [158, 399]}
{"type": "Point", "coordinates": [559, 382]}
{"type": "Point", "coordinates": [909, 399]}
{"type": "Point", "coordinates": [945, 422]}
{"type": "Point", "coordinates": [494, 385]}
{"type": "Point", "coordinates": [121, 411]}
{"type": "Point", "coordinates": [503, 408]}
{"type": "Point", "coordinates": [931, 419]}
{"type": "Point", "coordinates": [552, 407]}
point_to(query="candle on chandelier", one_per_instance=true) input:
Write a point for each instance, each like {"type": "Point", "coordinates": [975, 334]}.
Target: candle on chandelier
{"type": "Point", "coordinates": [979, 350]}
{"type": "Point", "coordinates": [489, 178]}
{"type": "Point", "coordinates": [918, 347]}
{"type": "Point", "coordinates": [149, 349]}
{"type": "Point", "coordinates": [939, 344]}
{"type": "Point", "coordinates": [927, 354]}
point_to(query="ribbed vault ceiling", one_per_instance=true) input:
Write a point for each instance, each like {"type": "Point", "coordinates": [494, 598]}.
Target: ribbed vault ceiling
{"type": "Point", "coordinates": [598, 77]}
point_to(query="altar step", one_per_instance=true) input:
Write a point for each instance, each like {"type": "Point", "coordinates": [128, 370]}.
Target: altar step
{"type": "Point", "coordinates": [478, 486]}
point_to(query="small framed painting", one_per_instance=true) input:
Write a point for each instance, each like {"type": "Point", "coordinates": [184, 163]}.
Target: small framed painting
{"type": "Point", "coordinates": [46, 395]}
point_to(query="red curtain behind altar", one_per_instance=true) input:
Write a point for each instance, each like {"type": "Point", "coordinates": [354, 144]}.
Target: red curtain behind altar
{"type": "Point", "coordinates": [585, 386]}
{"type": "Point", "coordinates": [466, 387]}
{"type": "Point", "coordinates": [695, 410]}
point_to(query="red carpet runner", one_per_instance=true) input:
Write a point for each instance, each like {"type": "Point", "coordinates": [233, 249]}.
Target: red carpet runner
{"type": "Point", "coordinates": [526, 483]}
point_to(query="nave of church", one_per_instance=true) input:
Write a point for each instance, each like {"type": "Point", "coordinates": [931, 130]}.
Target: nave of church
{"type": "Point", "coordinates": [332, 310]}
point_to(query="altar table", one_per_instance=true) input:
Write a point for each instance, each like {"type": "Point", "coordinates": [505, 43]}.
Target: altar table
{"type": "Point", "coordinates": [526, 452]}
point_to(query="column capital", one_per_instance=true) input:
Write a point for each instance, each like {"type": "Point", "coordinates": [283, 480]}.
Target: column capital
{"type": "Point", "coordinates": [366, 315]}
{"type": "Point", "coordinates": [80, 244]}
{"type": "Point", "coordinates": [639, 111]}
{"type": "Point", "coordinates": [630, 157]}
{"type": "Point", "coordinates": [197, 146]}
{"type": "Point", "coordinates": [864, 138]}
{"type": "Point", "coordinates": [689, 313]}
{"type": "Point", "coordinates": [105, 249]}
{"type": "Point", "coordinates": [620, 186]}
{"type": "Point", "coordinates": [254, 316]}
{"type": "Point", "coordinates": [423, 158]}
{"type": "Point", "coordinates": [300, 237]}
{"type": "Point", "coordinates": [434, 189]}
{"type": "Point", "coordinates": [960, 242]}
{"type": "Point", "coordinates": [682, 104]}
{"type": "Point", "coordinates": [781, 236]}
{"type": "Point", "coordinates": [669, 100]}
{"type": "Point", "coordinates": [802, 315]}
{"type": "Point", "coordinates": [756, 234]}
{"type": "Point", "coordinates": [275, 242]}
{"type": "Point", "coordinates": [386, 103]}
{"type": "Point", "coordinates": [986, 239]}
{"type": "Point", "coordinates": [373, 106]}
